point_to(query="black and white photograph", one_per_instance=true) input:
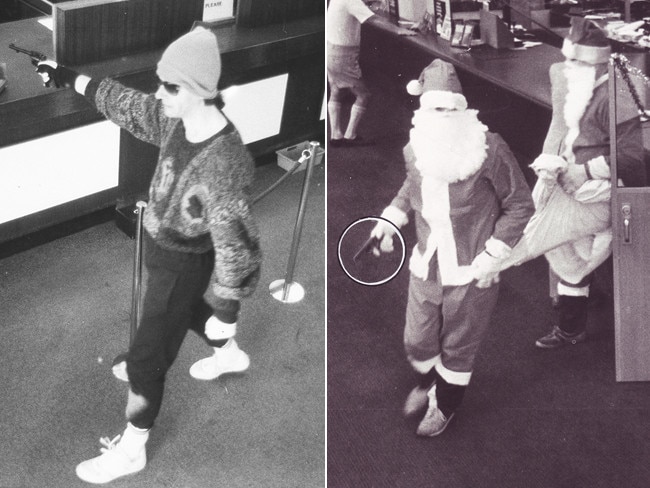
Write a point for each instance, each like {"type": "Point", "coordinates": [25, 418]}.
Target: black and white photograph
{"type": "Point", "coordinates": [325, 243]}
{"type": "Point", "coordinates": [162, 243]}
{"type": "Point", "coordinates": [511, 348]}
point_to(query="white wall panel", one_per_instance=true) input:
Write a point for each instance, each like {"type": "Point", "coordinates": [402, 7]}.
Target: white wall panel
{"type": "Point", "coordinates": [256, 108]}
{"type": "Point", "coordinates": [52, 170]}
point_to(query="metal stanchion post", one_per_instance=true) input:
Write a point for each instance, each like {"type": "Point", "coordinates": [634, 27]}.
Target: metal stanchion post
{"type": "Point", "coordinates": [137, 272]}
{"type": "Point", "coordinates": [136, 291]}
{"type": "Point", "coordinates": [287, 290]}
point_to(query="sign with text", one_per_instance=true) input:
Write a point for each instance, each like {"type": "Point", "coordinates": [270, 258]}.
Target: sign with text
{"type": "Point", "coordinates": [443, 17]}
{"type": "Point", "coordinates": [218, 10]}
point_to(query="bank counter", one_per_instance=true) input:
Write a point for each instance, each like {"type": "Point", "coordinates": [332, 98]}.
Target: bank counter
{"type": "Point", "coordinates": [511, 88]}
{"type": "Point", "coordinates": [59, 159]}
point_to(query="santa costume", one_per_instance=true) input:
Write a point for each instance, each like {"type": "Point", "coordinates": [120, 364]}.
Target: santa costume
{"type": "Point", "coordinates": [572, 223]}
{"type": "Point", "coordinates": [470, 204]}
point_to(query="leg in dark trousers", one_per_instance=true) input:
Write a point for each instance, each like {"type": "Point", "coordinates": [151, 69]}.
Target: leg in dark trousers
{"type": "Point", "coordinates": [172, 303]}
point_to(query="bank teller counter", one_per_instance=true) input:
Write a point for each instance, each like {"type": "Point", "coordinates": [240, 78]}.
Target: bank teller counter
{"type": "Point", "coordinates": [60, 159]}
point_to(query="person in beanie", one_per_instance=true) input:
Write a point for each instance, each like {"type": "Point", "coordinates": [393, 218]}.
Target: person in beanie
{"type": "Point", "coordinates": [576, 163]}
{"type": "Point", "coordinates": [470, 203]}
{"type": "Point", "coordinates": [344, 19]}
{"type": "Point", "coordinates": [201, 244]}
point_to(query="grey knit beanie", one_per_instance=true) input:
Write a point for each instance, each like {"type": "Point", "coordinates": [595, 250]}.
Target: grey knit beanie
{"type": "Point", "coordinates": [193, 61]}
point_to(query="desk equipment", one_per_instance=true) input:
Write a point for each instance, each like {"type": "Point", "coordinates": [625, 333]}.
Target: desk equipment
{"type": "Point", "coordinates": [495, 32]}
{"type": "Point", "coordinates": [414, 10]}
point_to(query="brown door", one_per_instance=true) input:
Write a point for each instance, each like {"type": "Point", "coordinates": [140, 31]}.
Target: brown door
{"type": "Point", "coordinates": [631, 242]}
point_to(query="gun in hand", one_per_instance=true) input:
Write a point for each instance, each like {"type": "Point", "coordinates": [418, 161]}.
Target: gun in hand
{"type": "Point", "coordinates": [35, 55]}
{"type": "Point", "coordinates": [370, 244]}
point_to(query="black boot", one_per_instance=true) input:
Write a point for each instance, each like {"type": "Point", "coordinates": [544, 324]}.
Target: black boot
{"type": "Point", "coordinates": [449, 396]}
{"type": "Point", "coordinates": [572, 323]}
{"type": "Point", "coordinates": [440, 413]}
{"type": "Point", "coordinates": [573, 314]}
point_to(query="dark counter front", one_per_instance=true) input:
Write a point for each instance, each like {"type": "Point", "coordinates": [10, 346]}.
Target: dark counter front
{"type": "Point", "coordinates": [29, 112]}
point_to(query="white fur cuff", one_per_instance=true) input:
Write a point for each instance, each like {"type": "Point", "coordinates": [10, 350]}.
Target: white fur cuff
{"type": "Point", "coordinates": [598, 168]}
{"type": "Point", "coordinates": [395, 215]}
{"type": "Point", "coordinates": [549, 162]}
{"type": "Point", "coordinates": [573, 291]}
{"type": "Point", "coordinates": [453, 377]}
{"type": "Point", "coordinates": [423, 367]}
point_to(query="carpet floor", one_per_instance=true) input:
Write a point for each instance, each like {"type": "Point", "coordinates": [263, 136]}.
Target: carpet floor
{"type": "Point", "coordinates": [530, 418]}
{"type": "Point", "coordinates": [65, 307]}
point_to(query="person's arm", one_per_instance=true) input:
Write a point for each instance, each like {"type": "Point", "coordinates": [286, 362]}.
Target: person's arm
{"type": "Point", "coordinates": [397, 211]}
{"type": "Point", "coordinates": [132, 110]}
{"type": "Point", "coordinates": [513, 193]}
{"type": "Point", "coordinates": [630, 155]}
{"type": "Point", "coordinates": [223, 190]}
{"type": "Point", "coordinates": [517, 208]}
{"type": "Point", "coordinates": [386, 24]}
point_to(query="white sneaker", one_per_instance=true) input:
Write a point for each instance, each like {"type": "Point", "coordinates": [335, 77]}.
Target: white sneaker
{"type": "Point", "coordinates": [226, 359]}
{"type": "Point", "coordinates": [114, 463]}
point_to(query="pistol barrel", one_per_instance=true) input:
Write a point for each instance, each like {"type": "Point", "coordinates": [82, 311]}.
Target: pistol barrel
{"type": "Point", "coordinates": [31, 54]}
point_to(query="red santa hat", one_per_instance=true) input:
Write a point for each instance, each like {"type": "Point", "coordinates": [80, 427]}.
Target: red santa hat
{"type": "Point", "coordinates": [586, 42]}
{"type": "Point", "coordinates": [438, 87]}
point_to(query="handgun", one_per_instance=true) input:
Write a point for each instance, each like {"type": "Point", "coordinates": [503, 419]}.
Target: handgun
{"type": "Point", "coordinates": [36, 56]}
{"type": "Point", "coordinates": [371, 243]}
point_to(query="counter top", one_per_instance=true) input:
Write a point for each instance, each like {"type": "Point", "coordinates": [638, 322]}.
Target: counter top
{"type": "Point", "coordinates": [521, 71]}
{"type": "Point", "coordinates": [29, 110]}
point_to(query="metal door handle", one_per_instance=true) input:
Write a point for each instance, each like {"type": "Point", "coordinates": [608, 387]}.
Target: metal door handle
{"type": "Point", "coordinates": [626, 211]}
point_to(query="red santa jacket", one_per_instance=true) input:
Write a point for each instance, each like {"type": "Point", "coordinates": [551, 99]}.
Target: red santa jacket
{"type": "Point", "coordinates": [494, 203]}
{"type": "Point", "coordinates": [593, 133]}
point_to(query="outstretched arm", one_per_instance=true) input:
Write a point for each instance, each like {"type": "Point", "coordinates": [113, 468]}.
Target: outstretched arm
{"type": "Point", "coordinates": [378, 20]}
{"type": "Point", "coordinates": [134, 111]}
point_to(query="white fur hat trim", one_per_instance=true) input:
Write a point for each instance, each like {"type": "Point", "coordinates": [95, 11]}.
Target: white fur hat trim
{"type": "Point", "coordinates": [586, 54]}
{"type": "Point", "coordinates": [433, 99]}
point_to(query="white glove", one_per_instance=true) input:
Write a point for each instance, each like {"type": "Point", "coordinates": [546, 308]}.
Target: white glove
{"type": "Point", "coordinates": [485, 270]}
{"type": "Point", "coordinates": [394, 218]}
{"type": "Point", "coordinates": [384, 233]}
{"type": "Point", "coordinates": [548, 167]}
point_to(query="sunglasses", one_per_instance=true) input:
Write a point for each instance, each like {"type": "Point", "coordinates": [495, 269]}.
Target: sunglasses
{"type": "Point", "coordinates": [170, 88]}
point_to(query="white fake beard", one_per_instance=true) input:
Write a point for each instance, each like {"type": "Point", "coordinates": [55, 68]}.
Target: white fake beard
{"type": "Point", "coordinates": [448, 146]}
{"type": "Point", "coordinates": [581, 81]}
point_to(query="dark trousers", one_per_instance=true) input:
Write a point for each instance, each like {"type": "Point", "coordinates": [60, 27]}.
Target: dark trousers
{"type": "Point", "coordinates": [172, 305]}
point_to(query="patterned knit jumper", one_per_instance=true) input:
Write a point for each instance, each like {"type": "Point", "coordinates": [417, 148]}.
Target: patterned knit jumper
{"type": "Point", "coordinates": [197, 203]}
